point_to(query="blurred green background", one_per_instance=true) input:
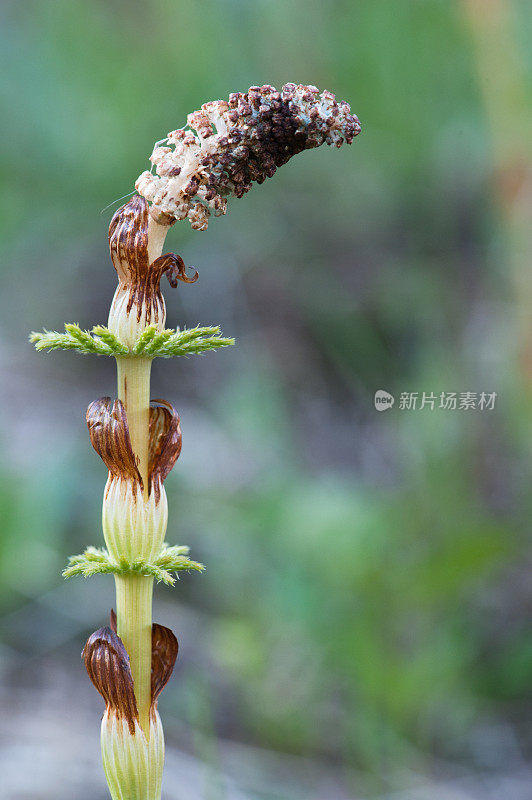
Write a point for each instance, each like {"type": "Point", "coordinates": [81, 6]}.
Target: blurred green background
{"type": "Point", "coordinates": [363, 627]}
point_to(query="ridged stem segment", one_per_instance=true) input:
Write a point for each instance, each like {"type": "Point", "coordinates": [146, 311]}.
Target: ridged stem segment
{"type": "Point", "coordinates": [134, 392]}
{"type": "Point", "coordinates": [134, 619]}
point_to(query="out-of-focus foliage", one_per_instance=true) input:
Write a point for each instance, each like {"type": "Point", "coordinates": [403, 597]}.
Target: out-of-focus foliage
{"type": "Point", "coordinates": [367, 593]}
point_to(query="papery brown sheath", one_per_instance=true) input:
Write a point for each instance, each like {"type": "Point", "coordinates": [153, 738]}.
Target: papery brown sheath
{"type": "Point", "coordinates": [165, 442]}
{"type": "Point", "coordinates": [163, 656]}
{"type": "Point", "coordinates": [107, 664]}
{"type": "Point", "coordinates": [109, 435]}
{"type": "Point", "coordinates": [138, 279]}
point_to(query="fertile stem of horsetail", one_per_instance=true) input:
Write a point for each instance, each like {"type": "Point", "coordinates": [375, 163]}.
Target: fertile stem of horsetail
{"type": "Point", "coordinates": [225, 148]}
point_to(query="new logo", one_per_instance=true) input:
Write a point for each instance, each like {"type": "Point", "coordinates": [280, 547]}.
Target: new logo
{"type": "Point", "coordinates": [383, 400]}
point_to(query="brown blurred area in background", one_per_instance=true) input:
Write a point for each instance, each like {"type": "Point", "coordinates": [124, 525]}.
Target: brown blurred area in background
{"type": "Point", "coordinates": [363, 626]}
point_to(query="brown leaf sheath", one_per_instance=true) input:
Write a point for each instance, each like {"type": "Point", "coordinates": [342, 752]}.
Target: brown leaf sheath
{"type": "Point", "coordinates": [163, 656]}
{"type": "Point", "coordinates": [128, 244]}
{"type": "Point", "coordinates": [107, 664]}
{"type": "Point", "coordinates": [128, 241]}
{"type": "Point", "coordinates": [174, 267]}
{"type": "Point", "coordinates": [109, 435]}
{"type": "Point", "coordinates": [165, 442]}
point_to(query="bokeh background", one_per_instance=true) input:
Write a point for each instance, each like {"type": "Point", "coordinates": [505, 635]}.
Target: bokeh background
{"type": "Point", "coordinates": [363, 627]}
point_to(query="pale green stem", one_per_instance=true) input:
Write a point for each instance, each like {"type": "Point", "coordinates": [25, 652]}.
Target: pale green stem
{"type": "Point", "coordinates": [134, 392]}
{"type": "Point", "coordinates": [156, 237]}
{"type": "Point", "coordinates": [134, 593]}
{"type": "Point", "coordinates": [134, 617]}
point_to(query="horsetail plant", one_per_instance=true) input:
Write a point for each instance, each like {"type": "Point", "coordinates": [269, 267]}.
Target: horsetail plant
{"type": "Point", "coordinates": [235, 143]}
